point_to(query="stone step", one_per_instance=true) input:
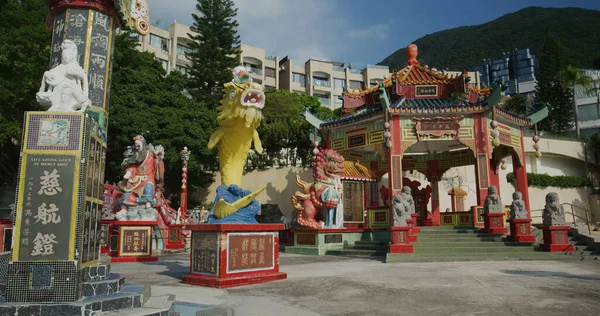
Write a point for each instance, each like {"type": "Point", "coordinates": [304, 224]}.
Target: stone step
{"type": "Point", "coordinates": [357, 252]}
{"type": "Point", "coordinates": [131, 296]}
{"type": "Point", "coordinates": [154, 306]}
{"type": "Point", "coordinates": [467, 250]}
{"type": "Point", "coordinates": [467, 243]}
{"type": "Point", "coordinates": [114, 283]}
{"type": "Point", "coordinates": [441, 228]}
{"type": "Point", "coordinates": [371, 243]}
{"type": "Point", "coordinates": [486, 257]}
{"type": "Point", "coordinates": [96, 273]}
{"type": "Point", "coordinates": [459, 237]}
{"type": "Point", "coordinates": [368, 247]}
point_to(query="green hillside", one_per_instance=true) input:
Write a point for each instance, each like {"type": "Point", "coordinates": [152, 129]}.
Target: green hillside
{"type": "Point", "coordinates": [463, 48]}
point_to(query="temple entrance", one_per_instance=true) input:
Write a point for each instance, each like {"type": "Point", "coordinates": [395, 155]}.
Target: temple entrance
{"type": "Point", "coordinates": [421, 196]}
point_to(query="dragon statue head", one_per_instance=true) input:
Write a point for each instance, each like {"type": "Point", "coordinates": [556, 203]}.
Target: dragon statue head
{"type": "Point", "coordinates": [328, 165]}
{"type": "Point", "coordinates": [243, 99]}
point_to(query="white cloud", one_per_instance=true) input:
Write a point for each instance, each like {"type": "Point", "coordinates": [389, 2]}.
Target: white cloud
{"type": "Point", "coordinates": [378, 31]}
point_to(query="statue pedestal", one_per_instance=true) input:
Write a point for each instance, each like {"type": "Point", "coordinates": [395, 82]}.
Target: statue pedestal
{"type": "Point", "coordinates": [520, 230]}
{"type": "Point", "coordinates": [493, 223]}
{"type": "Point", "coordinates": [400, 240]}
{"type": "Point", "coordinates": [229, 255]}
{"type": "Point", "coordinates": [414, 229]}
{"type": "Point", "coordinates": [134, 241]}
{"type": "Point", "coordinates": [556, 239]}
{"type": "Point", "coordinates": [337, 241]}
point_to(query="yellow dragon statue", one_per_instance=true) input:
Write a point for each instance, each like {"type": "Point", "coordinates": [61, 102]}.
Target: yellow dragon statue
{"type": "Point", "coordinates": [239, 115]}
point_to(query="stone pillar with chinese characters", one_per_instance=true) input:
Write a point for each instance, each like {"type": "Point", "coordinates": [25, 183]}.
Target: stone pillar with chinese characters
{"type": "Point", "coordinates": [59, 197]}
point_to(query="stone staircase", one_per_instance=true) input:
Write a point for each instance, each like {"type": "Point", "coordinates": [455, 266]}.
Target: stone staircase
{"type": "Point", "coordinates": [447, 243]}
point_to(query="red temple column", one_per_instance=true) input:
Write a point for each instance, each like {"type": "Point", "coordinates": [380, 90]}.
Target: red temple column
{"type": "Point", "coordinates": [394, 162]}
{"type": "Point", "coordinates": [435, 194]}
{"type": "Point", "coordinates": [482, 160]}
{"type": "Point", "coordinates": [494, 174]}
{"type": "Point", "coordinates": [521, 180]}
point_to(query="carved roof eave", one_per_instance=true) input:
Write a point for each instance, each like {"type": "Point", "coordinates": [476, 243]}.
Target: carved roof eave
{"type": "Point", "coordinates": [329, 126]}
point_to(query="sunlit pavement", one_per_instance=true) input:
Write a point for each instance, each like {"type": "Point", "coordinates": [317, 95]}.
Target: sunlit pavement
{"type": "Point", "coordinates": [330, 285]}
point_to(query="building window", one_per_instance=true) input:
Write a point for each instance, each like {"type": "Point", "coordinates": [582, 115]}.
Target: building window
{"type": "Point", "coordinates": [165, 64]}
{"type": "Point", "coordinates": [374, 82]}
{"type": "Point", "coordinates": [321, 82]}
{"type": "Point", "coordinates": [160, 42]}
{"type": "Point", "coordinates": [339, 83]}
{"type": "Point", "coordinates": [269, 88]}
{"type": "Point", "coordinates": [270, 72]}
{"type": "Point", "coordinates": [136, 36]}
{"type": "Point", "coordinates": [589, 112]}
{"type": "Point", "coordinates": [323, 98]}
{"type": "Point", "coordinates": [182, 49]}
{"type": "Point", "coordinates": [299, 92]}
{"type": "Point", "coordinates": [299, 78]}
{"type": "Point", "coordinates": [358, 85]}
{"type": "Point", "coordinates": [338, 101]}
{"type": "Point", "coordinates": [183, 70]}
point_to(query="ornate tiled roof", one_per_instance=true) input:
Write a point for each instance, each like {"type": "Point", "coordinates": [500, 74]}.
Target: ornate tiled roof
{"type": "Point", "coordinates": [481, 91]}
{"type": "Point", "coordinates": [435, 106]}
{"type": "Point", "coordinates": [355, 171]}
{"type": "Point", "coordinates": [413, 74]}
{"type": "Point", "coordinates": [357, 116]}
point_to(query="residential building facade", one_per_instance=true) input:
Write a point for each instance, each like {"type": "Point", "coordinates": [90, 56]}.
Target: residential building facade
{"type": "Point", "coordinates": [588, 103]}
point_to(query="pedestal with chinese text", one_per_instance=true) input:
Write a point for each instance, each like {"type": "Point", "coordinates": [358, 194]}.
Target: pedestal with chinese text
{"type": "Point", "coordinates": [229, 255]}
{"type": "Point", "coordinates": [556, 239]}
{"type": "Point", "coordinates": [494, 223]}
{"type": "Point", "coordinates": [520, 230]}
{"type": "Point", "coordinates": [400, 241]}
{"type": "Point", "coordinates": [57, 218]}
{"type": "Point", "coordinates": [135, 242]}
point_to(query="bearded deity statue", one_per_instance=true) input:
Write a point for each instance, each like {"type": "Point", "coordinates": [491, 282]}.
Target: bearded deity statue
{"type": "Point", "coordinates": [553, 215]}
{"type": "Point", "coordinates": [64, 88]}
{"type": "Point", "coordinates": [517, 208]}
{"type": "Point", "coordinates": [493, 203]}
{"type": "Point", "coordinates": [144, 174]}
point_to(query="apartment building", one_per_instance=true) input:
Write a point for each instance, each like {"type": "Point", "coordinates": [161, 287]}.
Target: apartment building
{"type": "Point", "coordinates": [324, 79]}
{"type": "Point", "coordinates": [588, 103]}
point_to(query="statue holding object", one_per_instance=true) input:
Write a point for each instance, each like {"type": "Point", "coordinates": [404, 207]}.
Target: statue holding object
{"type": "Point", "coordinates": [239, 115]}
{"type": "Point", "coordinates": [325, 192]}
{"type": "Point", "coordinates": [144, 174]}
{"type": "Point", "coordinates": [64, 88]}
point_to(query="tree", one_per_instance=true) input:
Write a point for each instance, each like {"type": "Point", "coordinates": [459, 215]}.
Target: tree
{"type": "Point", "coordinates": [571, 77]}
{"type": "Point", "coordinates": [214, 50]}
{"type": "Point", "coordinates": [517, 103]}
{"type": "Point", "coordinates": [550, 89]}
{"type": "Point", "coordinates": [24, 56]}
{"type": "Point", "coordinates": [145, 100]}
{"type": "Point", "coordinates": [284, 131]}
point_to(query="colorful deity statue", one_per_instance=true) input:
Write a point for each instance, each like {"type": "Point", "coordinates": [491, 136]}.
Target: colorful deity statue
{"type": "Point", "coordinates": [324, 193]}
{"type": "Point", "coordinates": [239, 115]}
{"type": "Point", "coordinates": [144, 173]}
{"type": "Point", "coordinates": [64, 88]}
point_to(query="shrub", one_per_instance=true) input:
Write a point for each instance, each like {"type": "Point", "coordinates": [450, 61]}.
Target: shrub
{"type": "Point", "coordinates": [544, 180]}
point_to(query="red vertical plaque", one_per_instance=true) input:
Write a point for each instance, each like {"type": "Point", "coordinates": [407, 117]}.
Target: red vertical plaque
{"type": "Point", "coordinates": [482, 165]}
{"type": "Point", "coordinates": [397, 172]}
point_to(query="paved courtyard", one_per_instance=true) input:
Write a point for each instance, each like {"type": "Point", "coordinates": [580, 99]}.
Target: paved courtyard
{"type": "Point", "coordinates": [350, 286]}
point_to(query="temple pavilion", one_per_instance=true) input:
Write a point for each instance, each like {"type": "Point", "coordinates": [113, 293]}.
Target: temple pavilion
{"type": "Point", "coordinates": [419, 119]}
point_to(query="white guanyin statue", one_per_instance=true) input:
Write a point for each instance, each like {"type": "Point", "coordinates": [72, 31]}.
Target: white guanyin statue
{"type": "Point", "coordinates": [64, 88]}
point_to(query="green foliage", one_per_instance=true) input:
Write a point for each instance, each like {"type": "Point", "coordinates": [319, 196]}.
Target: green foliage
{"type": "Point", "coordinates": [214, 49]}
{"type": "Point", "coordinates": [551, 90]}
{"type": "Point", "coordinates": [144, 100]}
{"type": "Point", "coordinates": [517, 103]}
{"type": "Point", "coordinates": [24, 56]}
{"type": "Point", "coordinates": [284, 131]}
{"type": "Point", "coordinates": [464, 47]}
{"type": "Point", "coordinates": [544, 180]}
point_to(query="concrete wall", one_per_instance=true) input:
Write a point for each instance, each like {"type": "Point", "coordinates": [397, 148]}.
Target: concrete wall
{"type": "Point", "coordinates": [280, 182]}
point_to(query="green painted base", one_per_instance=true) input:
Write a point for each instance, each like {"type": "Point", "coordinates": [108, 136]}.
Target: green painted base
{"type": "Point", "coordinates": [319, 242]}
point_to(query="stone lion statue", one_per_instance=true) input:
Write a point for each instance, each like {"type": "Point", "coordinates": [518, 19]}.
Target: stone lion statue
{"type": "Point", "coordinates": [554, 214]}
{"type": "Point", "coordinates": [493, 202]}
{"type": "Point", "coordinates": [517, 208]}
{"type": "Point", "coordinates": [402, 210]}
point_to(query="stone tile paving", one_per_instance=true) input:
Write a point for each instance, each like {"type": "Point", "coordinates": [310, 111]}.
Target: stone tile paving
{"type": "Point", "coordinates": [330, 285]}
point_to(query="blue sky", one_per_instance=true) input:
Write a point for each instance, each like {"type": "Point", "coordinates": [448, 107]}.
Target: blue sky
{"type": "Point", "coordinates": [352, 31]}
